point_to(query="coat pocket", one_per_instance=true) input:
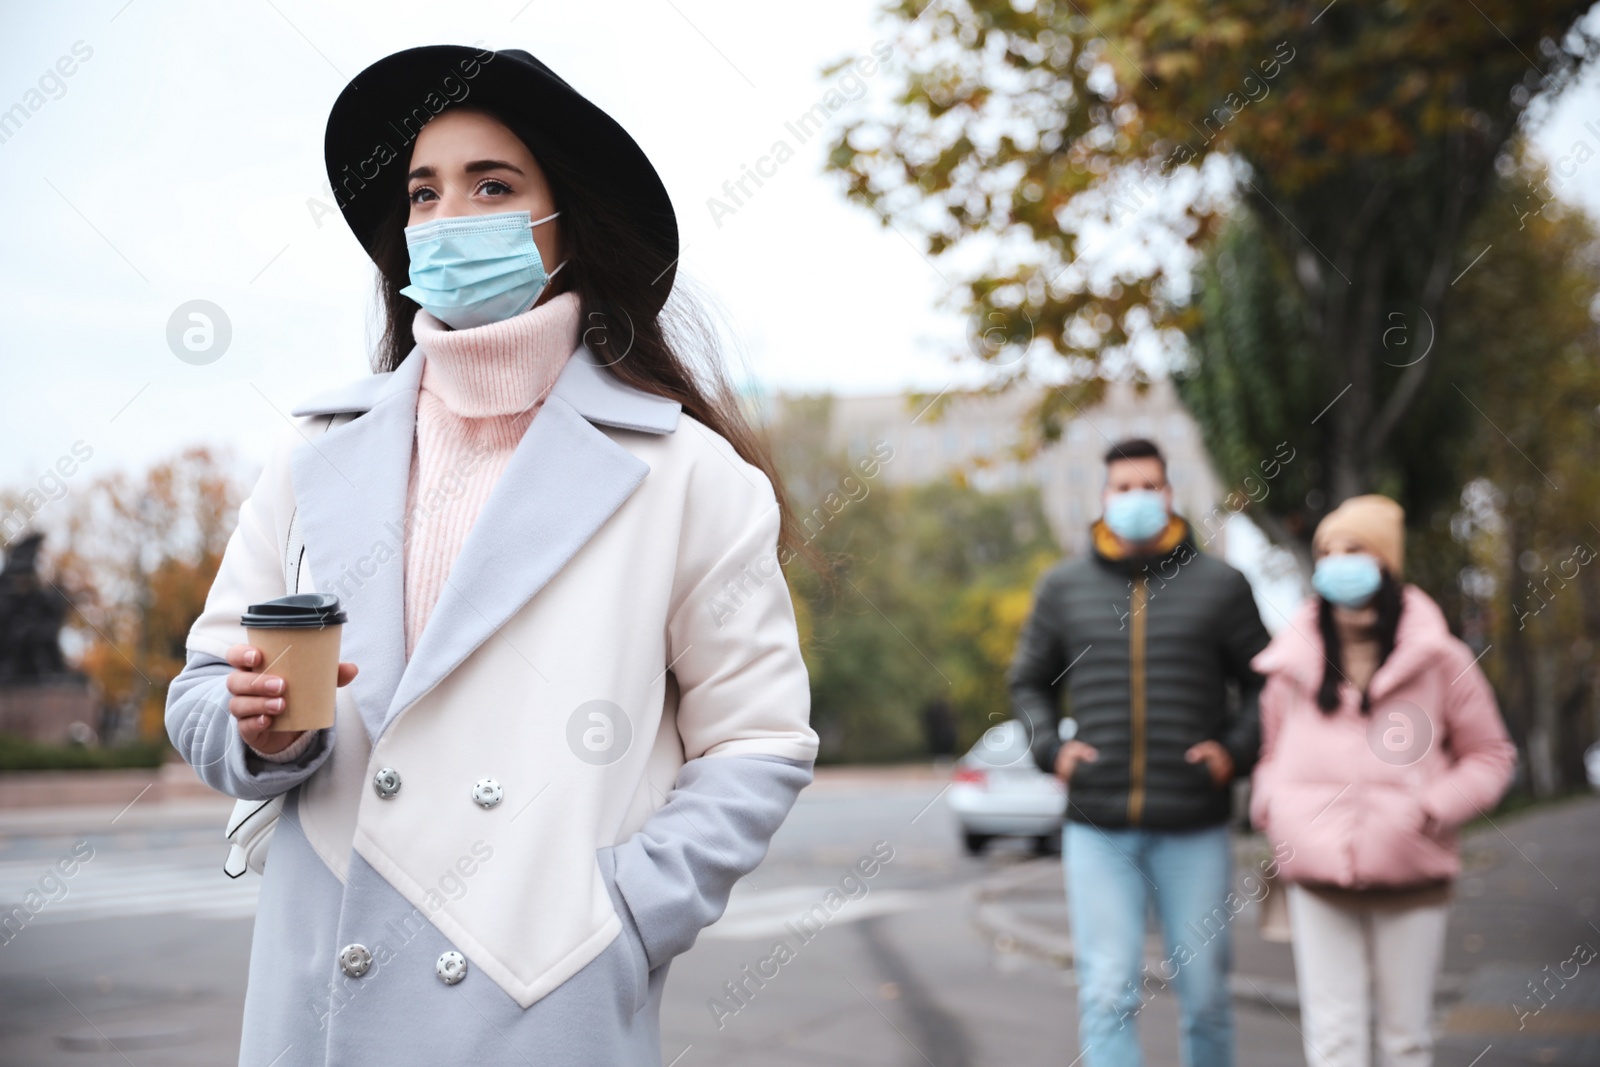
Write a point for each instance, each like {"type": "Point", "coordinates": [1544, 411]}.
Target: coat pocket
{"type": "Point", "coordinates": [1394, 850]}
{"type": "Point", "coordinates": [1431, 856]}
{"type": "Point", "coordinates": [1309, 827]}
{"type": "Point", "coordinates": [1090, 774]}
{"type": "Point", "coordinates": [639, 967]}
{"type": "Point", "coordinates": [1195, 776]}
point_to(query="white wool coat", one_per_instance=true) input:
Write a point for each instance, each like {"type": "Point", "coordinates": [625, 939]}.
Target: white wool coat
{"type": "Point", "coordinates": [615, 650]}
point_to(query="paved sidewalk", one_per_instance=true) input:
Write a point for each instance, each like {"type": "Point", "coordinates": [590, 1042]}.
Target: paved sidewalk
{"type": "Point", "coordinates": [1521, 979]}
{"type": "Point", "coordinates": [174, 780]}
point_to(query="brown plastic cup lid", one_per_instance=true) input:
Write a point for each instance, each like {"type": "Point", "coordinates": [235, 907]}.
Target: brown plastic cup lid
{"type": "Point", "coordinates": [300, 611]}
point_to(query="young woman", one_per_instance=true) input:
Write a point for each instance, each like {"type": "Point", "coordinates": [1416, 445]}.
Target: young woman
{"type": "Point", "coordinates": [572, 708]}
{"type": "Point", "coordinates": [1380, 738]}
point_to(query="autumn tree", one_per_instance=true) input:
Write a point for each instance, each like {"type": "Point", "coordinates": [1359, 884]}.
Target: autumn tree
{"type": "Point", "coordinates": [1069, 161]}
{"type": "Point", "coordinates": [137, 556]}
{"type": "Point", "coordinates": [1530, 582]}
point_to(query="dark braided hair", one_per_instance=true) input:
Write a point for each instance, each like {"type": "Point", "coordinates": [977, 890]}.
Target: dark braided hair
{"type": "Point", "coordinates": [1389, 602]}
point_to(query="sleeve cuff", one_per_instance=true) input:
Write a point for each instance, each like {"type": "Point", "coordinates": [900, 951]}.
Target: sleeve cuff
{"type": "Point", "coordinates": [1448, 806]}
{"type": "Point", "coordinates": [257, 776]}
{"type": "Point", "coordinates": [675, 873]}
{"type": "Point", "coordinates": [288, 755]}
{"type": "Point", "coordinates": [1046, 755]}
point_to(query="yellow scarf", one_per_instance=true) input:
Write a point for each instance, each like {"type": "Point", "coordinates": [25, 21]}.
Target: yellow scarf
{"type": "Point", "coordinates": [1106, 543]}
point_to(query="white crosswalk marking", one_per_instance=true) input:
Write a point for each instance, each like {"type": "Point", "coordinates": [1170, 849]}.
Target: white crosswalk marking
{"type": "Point", "coordinates": [127, 884]}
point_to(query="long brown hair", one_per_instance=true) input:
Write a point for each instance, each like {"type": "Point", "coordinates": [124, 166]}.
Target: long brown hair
{"type": "Point", "coordinates": [619, 280]}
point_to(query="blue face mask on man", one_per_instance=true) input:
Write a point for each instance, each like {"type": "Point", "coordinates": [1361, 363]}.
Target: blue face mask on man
{"type": "Point", "coordinates": [1347, 580]}
{"type": "Point", "coordinates": [1136, 515]}
{"type": "Point", "coordinates": [470, 270]}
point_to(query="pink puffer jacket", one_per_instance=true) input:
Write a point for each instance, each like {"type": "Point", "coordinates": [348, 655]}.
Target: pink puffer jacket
{"type": "Point", "coordinates": [1348, 794]}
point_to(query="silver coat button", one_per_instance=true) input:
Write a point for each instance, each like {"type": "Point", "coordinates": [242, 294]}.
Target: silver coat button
{"type": "Point", "coordinates": [488, 792]}
{"type": "Point", "coordinates": [386, 782]}
{"type": "Point", "coordinates": [355, 960]}
{"type": "Point", "coordinates": [452, 967]}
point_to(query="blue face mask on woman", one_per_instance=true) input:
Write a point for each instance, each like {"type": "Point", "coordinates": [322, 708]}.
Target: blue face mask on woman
{"type": "Point", "coordinates": [1347, 580]}
{"type": "Point", "coordinates": [1136, 515]}
{"type": "Point", "coordinates": [470, 270]}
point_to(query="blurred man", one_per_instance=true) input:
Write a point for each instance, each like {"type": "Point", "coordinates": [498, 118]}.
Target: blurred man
{"type": "Point", "coordinates": [1144, 636]}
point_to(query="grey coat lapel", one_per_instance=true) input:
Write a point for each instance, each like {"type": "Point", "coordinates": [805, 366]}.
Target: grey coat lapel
{"type": "Point", "coordinates": [350, 489]}
{"type": "Point", "coordinates": [563, 481]}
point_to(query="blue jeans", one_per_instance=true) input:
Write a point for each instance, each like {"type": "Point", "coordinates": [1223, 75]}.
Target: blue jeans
{"type": "Point", "coordinates": [1112, 877]}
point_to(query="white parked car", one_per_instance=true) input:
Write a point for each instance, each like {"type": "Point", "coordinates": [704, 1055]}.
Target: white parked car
{"type": "Point", "coordinates": [997, 791]}
{"type": "Point", "coordinates": [1591, 764]}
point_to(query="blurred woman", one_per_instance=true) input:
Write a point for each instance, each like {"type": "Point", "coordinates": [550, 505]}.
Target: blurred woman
{"type": "Point", "coordinates": [1380, 738]}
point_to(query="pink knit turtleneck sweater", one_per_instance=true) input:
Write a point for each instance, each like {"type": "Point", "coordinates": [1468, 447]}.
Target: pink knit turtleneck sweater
{"type": "Point", "coordinates": [480, 389]}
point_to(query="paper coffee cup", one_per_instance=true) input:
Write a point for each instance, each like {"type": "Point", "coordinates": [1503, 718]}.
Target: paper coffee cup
{"type": "Point", "coordinates": [299, 636]}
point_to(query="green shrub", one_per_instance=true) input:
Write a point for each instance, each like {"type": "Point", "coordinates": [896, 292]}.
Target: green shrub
{"type": "Point", "coordinates": [21, 754]}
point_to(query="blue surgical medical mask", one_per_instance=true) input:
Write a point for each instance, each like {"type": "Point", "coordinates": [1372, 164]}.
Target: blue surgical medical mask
{"type": "Point", "coordinates": [1348, 580]}
{"type": "Point", "coordinates": [1136, 515]}
{"type": "Point", "coordinates": [470, 270]}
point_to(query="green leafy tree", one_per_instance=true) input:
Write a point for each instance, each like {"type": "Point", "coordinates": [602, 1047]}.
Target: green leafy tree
{"type": "Point", "coordinates": [1251, 379]}
{"type": "Point", "coordinates": [925, 593]}
{"type": "Point", "coordinates": [932, 587]}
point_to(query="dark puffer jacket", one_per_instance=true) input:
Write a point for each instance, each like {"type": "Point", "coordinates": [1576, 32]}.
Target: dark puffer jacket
{"type": "Point", "coordinates": [1144, 648]}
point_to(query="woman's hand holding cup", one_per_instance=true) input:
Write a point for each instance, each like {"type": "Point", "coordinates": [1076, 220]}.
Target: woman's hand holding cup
{"type": "Point", "coordinates": [290, 643]}
{"type": "Point", "coordinates": [259, 698]}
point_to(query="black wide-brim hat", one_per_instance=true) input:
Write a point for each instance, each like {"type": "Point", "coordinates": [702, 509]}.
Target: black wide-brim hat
{"type": "Point", "coordinates": [375, 121]}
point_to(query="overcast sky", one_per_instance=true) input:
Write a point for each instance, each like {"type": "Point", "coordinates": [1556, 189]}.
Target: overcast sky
{"type": "Point", "coordinates": [181, 160]}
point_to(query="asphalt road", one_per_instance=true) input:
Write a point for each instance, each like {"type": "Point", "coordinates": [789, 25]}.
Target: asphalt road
{"type": "Point", "coordinates": [142, 959]}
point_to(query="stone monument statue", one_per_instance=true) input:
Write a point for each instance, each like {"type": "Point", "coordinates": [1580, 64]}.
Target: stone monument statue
{"type": "Point", "coordinates": [40, 696]}
{"type": "Point", "coordinates": [30, 617]}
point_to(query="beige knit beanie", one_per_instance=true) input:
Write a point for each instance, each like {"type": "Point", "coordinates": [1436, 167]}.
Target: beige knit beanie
{"type": "Point", "coordinates": [1376, 522]}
